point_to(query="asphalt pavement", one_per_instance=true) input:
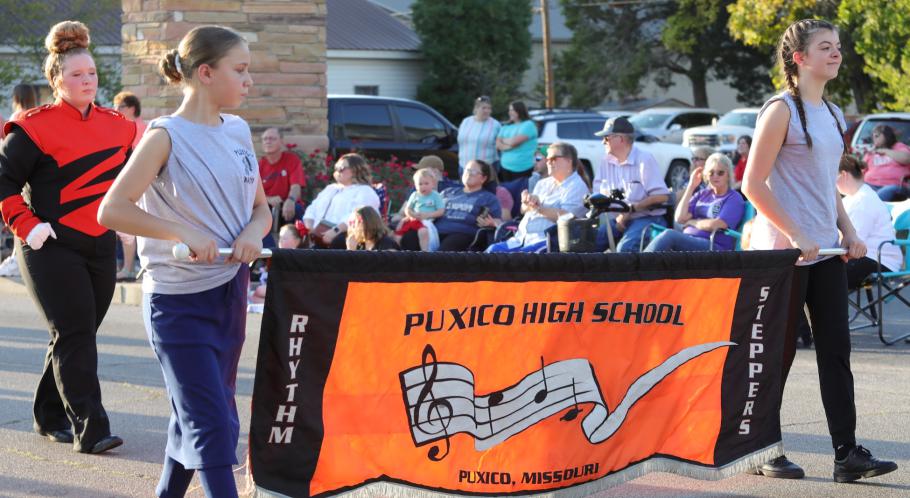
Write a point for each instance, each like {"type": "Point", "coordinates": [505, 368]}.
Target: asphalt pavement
{"type": "Point", "coordinates": [135, 398]}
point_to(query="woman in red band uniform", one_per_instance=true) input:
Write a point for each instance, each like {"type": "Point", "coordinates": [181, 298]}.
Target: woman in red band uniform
{"type": "Point", "coordinates": [66, 156]}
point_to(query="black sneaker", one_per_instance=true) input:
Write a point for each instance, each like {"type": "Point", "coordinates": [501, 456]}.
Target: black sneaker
{"type": "Point", "coordinates": [779, 468]}
{"type": "Point", "coordinates": [860, 464]}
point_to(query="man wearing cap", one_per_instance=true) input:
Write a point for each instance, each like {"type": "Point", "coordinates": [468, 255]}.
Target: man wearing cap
{"type": "Point", "coordinates": [635, 172]}
{"type": "Point", "coordinates": [282, 178]}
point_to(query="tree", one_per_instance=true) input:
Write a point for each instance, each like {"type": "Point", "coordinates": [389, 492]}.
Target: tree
{"type": "Point", "coordinates": [472, 48]}
{"type": "Point", "coordinates": [27, 64]}
{"type": "Point", "coordinates": [882, 37]}
{"type": "Point", "coordinates": [760, 25]}
{"type": "Point", "coordinates": [616, 48]}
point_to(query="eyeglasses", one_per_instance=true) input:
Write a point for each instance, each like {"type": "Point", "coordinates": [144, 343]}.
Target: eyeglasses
{"type": "Point", "coordinates": [717, 172]}
{"type": "Point", "coordinates": [696, 158]}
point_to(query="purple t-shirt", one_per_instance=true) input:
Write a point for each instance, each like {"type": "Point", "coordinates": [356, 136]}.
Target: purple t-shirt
{"type": "Point", "coordinates": [728, 207]}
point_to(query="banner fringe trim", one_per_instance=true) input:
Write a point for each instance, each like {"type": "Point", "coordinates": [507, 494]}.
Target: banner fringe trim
{"type": "Point", "coordinates": [384, 489]}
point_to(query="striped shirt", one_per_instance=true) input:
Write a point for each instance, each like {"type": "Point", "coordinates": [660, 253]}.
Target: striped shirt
{"type": "Point", "coordinates": [477, 140]}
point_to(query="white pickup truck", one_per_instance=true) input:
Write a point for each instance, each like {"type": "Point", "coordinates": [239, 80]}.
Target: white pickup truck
{"type": "Point", "coordinates": [722, 137]}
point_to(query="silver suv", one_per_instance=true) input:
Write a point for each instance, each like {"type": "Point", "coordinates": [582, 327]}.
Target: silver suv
{"type": "Point", "coordinates": [668, 123]}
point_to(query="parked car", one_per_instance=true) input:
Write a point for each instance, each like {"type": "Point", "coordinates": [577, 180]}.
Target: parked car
{"type": "Point", "coordinates": [723, 136]}
{"type": "Point", "coordinates": [382, 127]}
{"type": "Point", "coordinates": [578, 129]}
{"type": "Point", "coordinates": [861, 141]}
{"type": "Point", "coordinates": [668, 123]}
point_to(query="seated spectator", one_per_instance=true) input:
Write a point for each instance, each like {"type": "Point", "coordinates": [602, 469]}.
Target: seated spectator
{"type": "Point", "coordinates": [635, 172]}
{"type": "Point", "coordinates": [871, 219]}
{"type": "Point", "coordinates": [282, 177]}
{"type": "Point", "coordinates": [288, 238]}
{"type": "Point", "coordinates": [740, 157]}
{"type": "Point", "coordinates": [712, 209]}
{"type": "Point", "coordinates": [423, 206]}
{"type": "Point", "coordinates": [434, 163]}
{"type": "Point", "coordinates": [468, 209]}
{"type": "Point", "coordinates": [562, 192]}
{"type": "Point", "coordinates": [368, 233]}
{"type": "Point", "coordinates": [888, 163]}
{"type": "Point", "coordinates": [325, 219]}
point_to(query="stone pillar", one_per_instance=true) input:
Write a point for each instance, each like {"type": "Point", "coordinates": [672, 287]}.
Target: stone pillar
{"type": "Point", "coordinates": [287, 45]}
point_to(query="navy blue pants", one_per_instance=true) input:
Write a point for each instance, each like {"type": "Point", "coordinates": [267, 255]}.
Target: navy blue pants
{"type": "Point", "coordinates": [197, 339]}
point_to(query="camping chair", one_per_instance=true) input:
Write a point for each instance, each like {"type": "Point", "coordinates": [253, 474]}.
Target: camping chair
{"type": "Point", "coordinates": [748, 213]}
{"type": "Point", "coordinates": [888, 285]}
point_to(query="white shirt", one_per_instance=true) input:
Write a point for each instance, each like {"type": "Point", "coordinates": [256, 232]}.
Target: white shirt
{"type": "Point", "coordinates": [568, 196]}
{"type": "Point", "coordinates": [872, 220]}
{"type": "Point", "coordinates": [336, 203]}
{"type": "Point", "coordinates": [638, 177]}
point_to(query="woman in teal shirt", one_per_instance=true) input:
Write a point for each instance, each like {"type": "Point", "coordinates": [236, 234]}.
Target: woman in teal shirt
{"type": "Point", "coordinates": [517, 142]}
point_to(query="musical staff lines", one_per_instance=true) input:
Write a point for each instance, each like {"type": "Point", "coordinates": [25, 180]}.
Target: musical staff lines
{"type": "Point", "coordinates": [440, 400]}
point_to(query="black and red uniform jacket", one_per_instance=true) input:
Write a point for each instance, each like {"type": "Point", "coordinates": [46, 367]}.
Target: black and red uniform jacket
{"type": "Point", "coordinates": [66, 162]}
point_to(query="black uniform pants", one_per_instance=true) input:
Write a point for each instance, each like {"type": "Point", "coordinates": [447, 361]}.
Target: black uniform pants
{"type": "Point", "coordinates": [822, 288]}
{"type": "Point", "coordinates": [72, 282]}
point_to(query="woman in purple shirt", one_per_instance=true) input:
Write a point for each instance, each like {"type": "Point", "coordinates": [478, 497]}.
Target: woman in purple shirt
{"type": "Point", "coordinates": [711, 209]}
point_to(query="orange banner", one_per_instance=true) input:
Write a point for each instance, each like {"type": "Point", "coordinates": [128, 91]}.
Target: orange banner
{"type": "Point", "coordinates": [622, 340]}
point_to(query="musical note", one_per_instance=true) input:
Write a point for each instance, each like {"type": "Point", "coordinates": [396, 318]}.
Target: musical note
{"type": "Point", "coordinates": [440, 400]}
{"type": "Point", "coordinates": [542, 394]}
{"type": "Point", "coordinates": [435, 404]}
{"type": "Point", "coordinates": [575, 411]}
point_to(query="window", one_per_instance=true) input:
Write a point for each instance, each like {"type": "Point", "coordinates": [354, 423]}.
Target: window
{"type": "Point", "coordinates": [420, 126]}
{"type": "Point", "coordinates": [700, 119]}
{"type": "Point", "coordinates": [901, 130]}
{"type": "Point", "coordinates": [368, 122]}
{"type": "Point", "coordinates": [573, 130]}
{"type": "Point", "coordinates": [366, 90]}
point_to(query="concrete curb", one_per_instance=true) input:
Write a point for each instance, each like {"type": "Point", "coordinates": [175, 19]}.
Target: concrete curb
{"type": "Point", "coordinates": [129, 293]}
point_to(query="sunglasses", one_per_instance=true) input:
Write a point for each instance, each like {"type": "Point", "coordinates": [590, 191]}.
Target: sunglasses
{"type": "Point", "coordinates": [717, 172]}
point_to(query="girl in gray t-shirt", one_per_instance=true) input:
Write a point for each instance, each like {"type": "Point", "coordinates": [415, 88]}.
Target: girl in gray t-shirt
{"type": "Point", "coordinates": [195, 179]}
{"type": "Point", "coordinates": [790, 178]}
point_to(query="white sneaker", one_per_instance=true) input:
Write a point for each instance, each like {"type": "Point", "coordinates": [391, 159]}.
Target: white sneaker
{"type": "Point", "coordinates": [9, 267]}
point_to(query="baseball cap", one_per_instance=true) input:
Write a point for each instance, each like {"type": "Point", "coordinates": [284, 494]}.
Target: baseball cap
{"type": "Point", "coordinates": [430, 162]}
{"type": "Point", "coordinates": [616, 125]}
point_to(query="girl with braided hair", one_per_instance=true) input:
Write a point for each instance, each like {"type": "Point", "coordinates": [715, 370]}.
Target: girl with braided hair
{"type": "Point", "coordinates": [791, 178]}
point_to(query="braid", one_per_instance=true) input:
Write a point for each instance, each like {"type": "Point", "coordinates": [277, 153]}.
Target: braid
{"type": "Point", "coordinates": [796, 39]}
{"type": "Point", "coordinates": [800, 110]}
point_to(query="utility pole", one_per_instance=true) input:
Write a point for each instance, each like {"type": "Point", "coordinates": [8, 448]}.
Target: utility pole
{"type": "Point", "coordinates": [547, 67]}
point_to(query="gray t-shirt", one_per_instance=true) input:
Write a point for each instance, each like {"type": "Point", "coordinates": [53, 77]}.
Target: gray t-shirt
{"type": "Point", "coordinates": [802, 179]}
{"type": "Point", "coordinates": [209, 183]}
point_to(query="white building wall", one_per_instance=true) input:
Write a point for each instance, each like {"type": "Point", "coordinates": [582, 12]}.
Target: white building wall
{"type": "Point", "coordinates": [397, 74]}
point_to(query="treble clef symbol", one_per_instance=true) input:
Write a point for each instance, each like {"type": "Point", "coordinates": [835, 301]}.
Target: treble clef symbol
{"type": "Point", "coordinates": [436, 406]}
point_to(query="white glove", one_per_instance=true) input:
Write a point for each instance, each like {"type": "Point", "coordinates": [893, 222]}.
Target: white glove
{"type": "Point", "coordinates": [39, 235]}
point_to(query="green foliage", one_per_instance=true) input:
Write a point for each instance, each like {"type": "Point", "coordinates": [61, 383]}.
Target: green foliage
{"type": "Point", "coordinates": [616, 48]}
{"type": "Point", "coordinates": [28, 67]}
{"type": "Point", "coordinates": [871, 39]}
{"type": "Point", "coordinates": [472, 47]}
{"type": "Point", "coordinates": [882, 37]}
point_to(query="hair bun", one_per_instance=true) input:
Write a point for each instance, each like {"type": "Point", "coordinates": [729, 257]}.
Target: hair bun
{"type": "Point", "coordinates": [66, 36]}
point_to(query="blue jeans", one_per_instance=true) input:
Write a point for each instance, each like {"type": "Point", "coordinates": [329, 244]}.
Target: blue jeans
{"type": "Point", "coordinates": [629, 240]}
{"type": "Point", "coordinates": [672, 240]}
{"type": "Point", "coordinates": [504, 247]}
{"type": "Point", "coordinates": [891, 193]}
